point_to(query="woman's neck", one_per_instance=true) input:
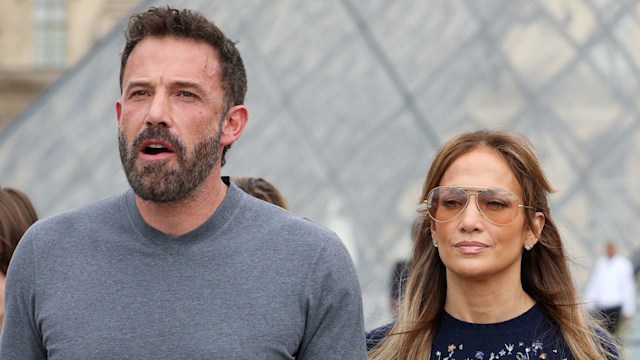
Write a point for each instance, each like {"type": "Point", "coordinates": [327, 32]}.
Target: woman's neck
{"type": "Point", "coordinates": [486, 302]}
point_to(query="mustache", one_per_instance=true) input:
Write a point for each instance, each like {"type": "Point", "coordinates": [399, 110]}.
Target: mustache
{"type": "Point", "coordinates": [159, 133]}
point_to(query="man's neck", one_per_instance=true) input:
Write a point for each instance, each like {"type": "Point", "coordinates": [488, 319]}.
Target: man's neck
{"type": "Point", "coordinates": [180, 217]}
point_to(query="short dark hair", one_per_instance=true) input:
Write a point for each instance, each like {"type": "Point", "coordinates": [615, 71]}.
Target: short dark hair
{"type": "Point", "coordinates": [188, 24]}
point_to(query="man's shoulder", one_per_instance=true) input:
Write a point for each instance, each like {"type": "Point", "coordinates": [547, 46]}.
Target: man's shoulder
{"type": "Point", "coordinates": [96, 212]}
{"type": "Point", "coordinates": [53, 239]}
{"type": "Point", "coordinates": [625, 263]}
{"type": "Point", "coordinates": [307, 231]}
{"type": "Point", "coordinates": [285, 220]}
{"type": "Point", "coordinates": [287, 231]}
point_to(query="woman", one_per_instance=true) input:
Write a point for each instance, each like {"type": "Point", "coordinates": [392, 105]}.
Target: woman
{"type": "Point", "coordinates": [16, 215]}
{"type": "Point", "coordinates": [489, 277]}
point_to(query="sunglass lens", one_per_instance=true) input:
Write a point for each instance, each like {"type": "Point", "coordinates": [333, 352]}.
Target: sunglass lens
{"type": "Point", "coordinates": [499, 206]}
{"type": "Point", "coordinates": [446, 203]}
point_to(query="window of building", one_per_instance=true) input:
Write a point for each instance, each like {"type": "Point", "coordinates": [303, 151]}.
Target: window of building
{"type": "Point", "coordinates": [49, 35]}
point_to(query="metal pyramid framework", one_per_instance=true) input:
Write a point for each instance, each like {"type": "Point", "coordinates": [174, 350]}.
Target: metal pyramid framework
{"type": "Point", "coordinates": [349, 99]}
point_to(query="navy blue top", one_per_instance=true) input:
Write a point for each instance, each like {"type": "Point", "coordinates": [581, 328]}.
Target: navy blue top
{"type": "Point", "coordinates": [375, 336]}
{"type": "Point", "coordinates": [531, 335]}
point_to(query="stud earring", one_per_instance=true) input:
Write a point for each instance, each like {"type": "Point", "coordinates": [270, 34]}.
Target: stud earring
{"type": "Point", "coordinates": [528, 246]}
{"type": "Point", "coordinates": [435, 243]}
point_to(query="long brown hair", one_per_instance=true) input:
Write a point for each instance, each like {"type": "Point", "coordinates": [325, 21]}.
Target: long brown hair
{"type": "Point", "coordinates": [16, 215]}
{"type": "Point", "coordinates": [545, 272]}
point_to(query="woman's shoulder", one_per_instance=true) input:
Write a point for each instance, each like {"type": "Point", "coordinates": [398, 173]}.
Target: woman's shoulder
{"type": "Point", "coordinates": [377, 335]}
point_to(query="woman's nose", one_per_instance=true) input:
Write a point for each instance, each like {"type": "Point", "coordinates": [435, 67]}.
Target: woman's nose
{"type": "Point", "coordinates": [471, 216]}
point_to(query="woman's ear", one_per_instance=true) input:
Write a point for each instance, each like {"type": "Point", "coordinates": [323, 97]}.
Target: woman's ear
{"type": "Point", "coordinates": [538, 225]}
{"type": "Point", "coordinates": [432, 227]}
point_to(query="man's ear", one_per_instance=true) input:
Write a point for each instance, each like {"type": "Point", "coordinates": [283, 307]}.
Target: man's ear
{"type": "Point", "coordinates": [118, 110]}
{"type": "Point", "coordinates": [233, 124]}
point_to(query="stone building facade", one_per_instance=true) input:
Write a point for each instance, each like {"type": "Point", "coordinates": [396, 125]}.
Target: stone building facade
{"type": "Point", "coordinates": [39, 39]}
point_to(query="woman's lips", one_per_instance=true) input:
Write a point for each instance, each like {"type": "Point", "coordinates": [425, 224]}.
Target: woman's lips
{"type": "Point", "coordinates": [471, 247]}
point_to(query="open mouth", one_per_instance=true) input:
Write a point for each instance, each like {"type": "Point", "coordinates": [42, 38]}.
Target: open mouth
{"type": "Point", "coordinates": [155, 149]}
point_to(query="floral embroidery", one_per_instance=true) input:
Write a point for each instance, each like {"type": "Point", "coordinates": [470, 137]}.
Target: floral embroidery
{"type": "Point", "coordinates": [509, 351]}
{"type": "Point", "coordinates": [509, 348]}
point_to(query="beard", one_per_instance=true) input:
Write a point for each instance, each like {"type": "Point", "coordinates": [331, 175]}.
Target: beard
{"type": "Point", "coordinates": [160, 182]}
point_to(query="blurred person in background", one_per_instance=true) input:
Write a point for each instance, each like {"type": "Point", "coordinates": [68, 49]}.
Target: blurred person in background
{"type": "Point", "coordinates": [261, 189]}
{"type": "Point", "coordinates": [184, 265]}
{"type": "Point", "coordinates": [16, 215]}
{"type": "Point", "coordinates": [611, 289]}
{"type": "Point", "coordinates": [400, 273]}
{"type": "Point", "coordinates": [489, 277]}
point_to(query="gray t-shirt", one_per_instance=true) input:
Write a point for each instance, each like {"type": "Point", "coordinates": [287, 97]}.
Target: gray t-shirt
{"type": "Point", "coordinates": [253, 282]}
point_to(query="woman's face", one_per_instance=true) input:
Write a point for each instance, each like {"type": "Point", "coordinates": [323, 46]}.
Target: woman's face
{"type": "Point", "coordinates": [470, 246]}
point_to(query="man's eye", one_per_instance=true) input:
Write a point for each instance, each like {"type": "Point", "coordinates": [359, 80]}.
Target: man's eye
{"type": "Point", "coordinates": [140, 93]}
{"type": "Point", "coordinates": [186, 94]}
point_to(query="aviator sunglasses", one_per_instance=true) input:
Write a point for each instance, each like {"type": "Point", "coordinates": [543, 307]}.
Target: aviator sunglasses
{"type": "Point", "coordinates": [499, 206]}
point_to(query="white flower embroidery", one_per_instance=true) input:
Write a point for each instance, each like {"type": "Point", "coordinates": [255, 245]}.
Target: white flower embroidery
{"type": "Point", "coordinates": [509, 348]}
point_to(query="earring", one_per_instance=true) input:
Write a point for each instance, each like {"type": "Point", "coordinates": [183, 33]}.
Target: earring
{"type": "Point", "coordinates": [528, 246]}
{"type": "Point", "coordinates": [435, 243]}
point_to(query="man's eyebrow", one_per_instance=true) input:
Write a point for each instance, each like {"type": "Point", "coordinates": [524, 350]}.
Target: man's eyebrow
{"type": "Point", "coordinates": [133, 84]}
{"type": "Point", "coordinates": [188, 85]}
{"type": "Point", "coordinates": [178, 84]}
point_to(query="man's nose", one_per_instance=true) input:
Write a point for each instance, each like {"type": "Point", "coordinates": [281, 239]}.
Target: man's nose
{"type": "Point", "coordinates": [159, 113]}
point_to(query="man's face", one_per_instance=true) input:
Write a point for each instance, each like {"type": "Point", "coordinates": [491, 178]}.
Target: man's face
{"type": "Point", "coordinates": [170, 117]}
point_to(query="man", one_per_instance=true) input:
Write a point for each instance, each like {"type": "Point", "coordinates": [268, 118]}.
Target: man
{"type": "Point", "coordinates": [185, 265]}
{"type": "Point", "coordinates": [611, 288]}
